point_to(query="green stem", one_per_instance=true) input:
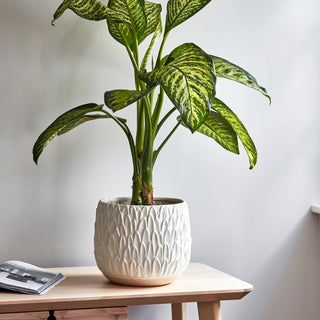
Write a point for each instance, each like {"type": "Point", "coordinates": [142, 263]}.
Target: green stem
{"type": "Point", "coordinates": [133, 59]}
{"type": "Point", "coordinates": [147, 160]}
{"type": "Point", "coordinates": [156, 112]}
{"type": "Point", "coordinates": [134, 56]}
{"type": "Point", "coordinates": [136, 180]}
{"type": "Point", "coordinates": [156, 153]}
{"type": "Point", "coordinates": [127, 131]}
{"type": "Point", "coordinates": [135, 47]}
{"type": "Point", "coordinates": [164, 119]}
{"type": "Point", "coordinates": [140, 128]}
{"type": "Point", "coordinates": [161, 49]}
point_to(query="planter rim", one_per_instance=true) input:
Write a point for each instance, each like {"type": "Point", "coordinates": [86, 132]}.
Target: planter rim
{"type": "Point", "coordinates": [159, 201]}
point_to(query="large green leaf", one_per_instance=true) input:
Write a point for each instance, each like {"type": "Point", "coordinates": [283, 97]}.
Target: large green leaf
{"type": "Point", "coordinates": [119, 99]}
{"type": "Point", "coordinates": [87, 9]}
{"type": "Point", "coordinates": [153, 11]}
{"type": "Point", "coordinates": [127, 16]}
{"type": "Point", "coordinates": [119, 30]}
{"type": "Point", "coordinates": [229, 70]}
{"type": "Point", "coordinates": [218, 128]}
{"type": "Point", "coordinates": [62, 124]}
{"type": "Point", "coordinates": [80, 120]}
{"type": "Point", "coordinates": [179, 11]}
{"type": "Point", "coordinates": [189, 81]}
{"type": "Point", "coordinates": [239, 128]}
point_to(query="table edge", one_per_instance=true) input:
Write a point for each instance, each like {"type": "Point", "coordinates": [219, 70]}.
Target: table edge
{"type": "Point", "coordinates": [100, 301]}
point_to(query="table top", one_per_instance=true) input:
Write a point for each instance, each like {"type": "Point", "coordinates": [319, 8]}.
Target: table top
{"type": "Point", "coordinates": [86, 287]}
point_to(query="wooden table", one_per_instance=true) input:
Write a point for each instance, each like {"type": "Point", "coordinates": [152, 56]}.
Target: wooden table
{"type": "Point", "coordinates": [86, 291]}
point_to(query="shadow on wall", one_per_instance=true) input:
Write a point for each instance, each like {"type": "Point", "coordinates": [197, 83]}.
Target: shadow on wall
{"type": "Point", "coordinates": [293, 275]}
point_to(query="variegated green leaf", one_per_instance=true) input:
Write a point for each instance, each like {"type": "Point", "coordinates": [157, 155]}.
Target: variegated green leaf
{"type": "Point", "coordinates": [87, 9]}
{"type": "Point", "coordinates": [128, 15]}
{"type": "Point", "coordinates": [155, 37]}
{"type": "Point", "coordinates": [179, 11]}
{"type": "Point", "coordinates": [115, 16]}
{"type": "Point", "coordinates": [239, 128]}
{"type": "Point", "coordinates": [119, 99]}
{"type": "Point", "coordinates": [60, 124]}
{"type": "Point", "coordinates": [229, 70]}
{"type": "Point", "coordinates": [189, 81]}
{"type": "Point", "coordinates": [119, 31]}
{"type": "Point", "coordinates": [217, 127]}
{"type": "Point", "coordinates": [153, 11]}
{"type": "Point", "coordinates": [80, 120]}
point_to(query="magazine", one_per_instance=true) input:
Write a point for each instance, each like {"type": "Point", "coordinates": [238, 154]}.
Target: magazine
{"type": "Point", "coordinates": [27, 278]}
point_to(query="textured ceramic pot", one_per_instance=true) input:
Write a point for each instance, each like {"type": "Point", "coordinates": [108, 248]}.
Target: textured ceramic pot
{"type": "Point", "coordinates": [142, 245]}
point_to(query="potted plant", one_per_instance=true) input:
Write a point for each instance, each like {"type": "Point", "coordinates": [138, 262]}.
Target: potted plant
{"type": "Point", "coordinates": [144, 240]}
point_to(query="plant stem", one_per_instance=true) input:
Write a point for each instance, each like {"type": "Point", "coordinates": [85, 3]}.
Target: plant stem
{"type": "Point", "coordinates": [147, 160]}
{"type": "Point", "coordinates": [142, 192]}
{"type": "Point", "coordinates": [137, 185]}
{"type": "Point", "coordinates": [161, 49]}
{"type": "Point", "coordinates": [133, 59]}
{"type": "Point", "coordinates": [164, 119]}
{"type": "Point", "coordinates": [147, 126]}
{"type": "Point", "coordinates": [140, 129]}
{"type": "Point", "coordinates": [156, 152]}
{"type": "Point", "coordinates": [156, 112]}
{"type": "Point", "coordinates": [127, 131]}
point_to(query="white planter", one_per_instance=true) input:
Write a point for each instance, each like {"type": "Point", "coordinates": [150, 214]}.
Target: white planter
{"type": "Point", "coordinates": [142, 245]}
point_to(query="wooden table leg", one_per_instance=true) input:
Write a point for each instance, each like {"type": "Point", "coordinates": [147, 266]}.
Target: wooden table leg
{"type": "Point", "coordinates": [209, 310]}
{"type": "Point", "coordinates": [179, 311]}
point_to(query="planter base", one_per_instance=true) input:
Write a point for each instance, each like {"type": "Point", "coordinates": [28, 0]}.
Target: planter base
{"type": "Point", "coordinates": [140, 282]}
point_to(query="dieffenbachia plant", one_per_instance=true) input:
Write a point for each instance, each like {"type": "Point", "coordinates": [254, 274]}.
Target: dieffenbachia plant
{"type": "Point", "coordinates": [187, 76]}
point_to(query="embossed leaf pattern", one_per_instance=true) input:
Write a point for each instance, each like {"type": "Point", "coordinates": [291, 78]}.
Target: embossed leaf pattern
{"type": "Point", "coordinates": [87, 9]}
{"type": "Point", "coordinates": [239, 128]}
{"type": "Point", "coordinates": [229, 70]}
{"type": "Point", "coordinates": [142, 248]}
{"type": "Point", "coordinates": [179, 11]}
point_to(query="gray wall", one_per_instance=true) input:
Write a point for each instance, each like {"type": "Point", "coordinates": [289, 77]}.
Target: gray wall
{"type": "Point", "coordinates": [254, 224]}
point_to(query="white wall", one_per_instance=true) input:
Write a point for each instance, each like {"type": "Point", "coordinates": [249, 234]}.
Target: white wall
{"type": "Point", "coordinates": [254, 224]}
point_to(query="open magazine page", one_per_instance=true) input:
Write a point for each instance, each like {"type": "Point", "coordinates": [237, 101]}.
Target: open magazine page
{"type": "Point", "coordinates": [27, 278]}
